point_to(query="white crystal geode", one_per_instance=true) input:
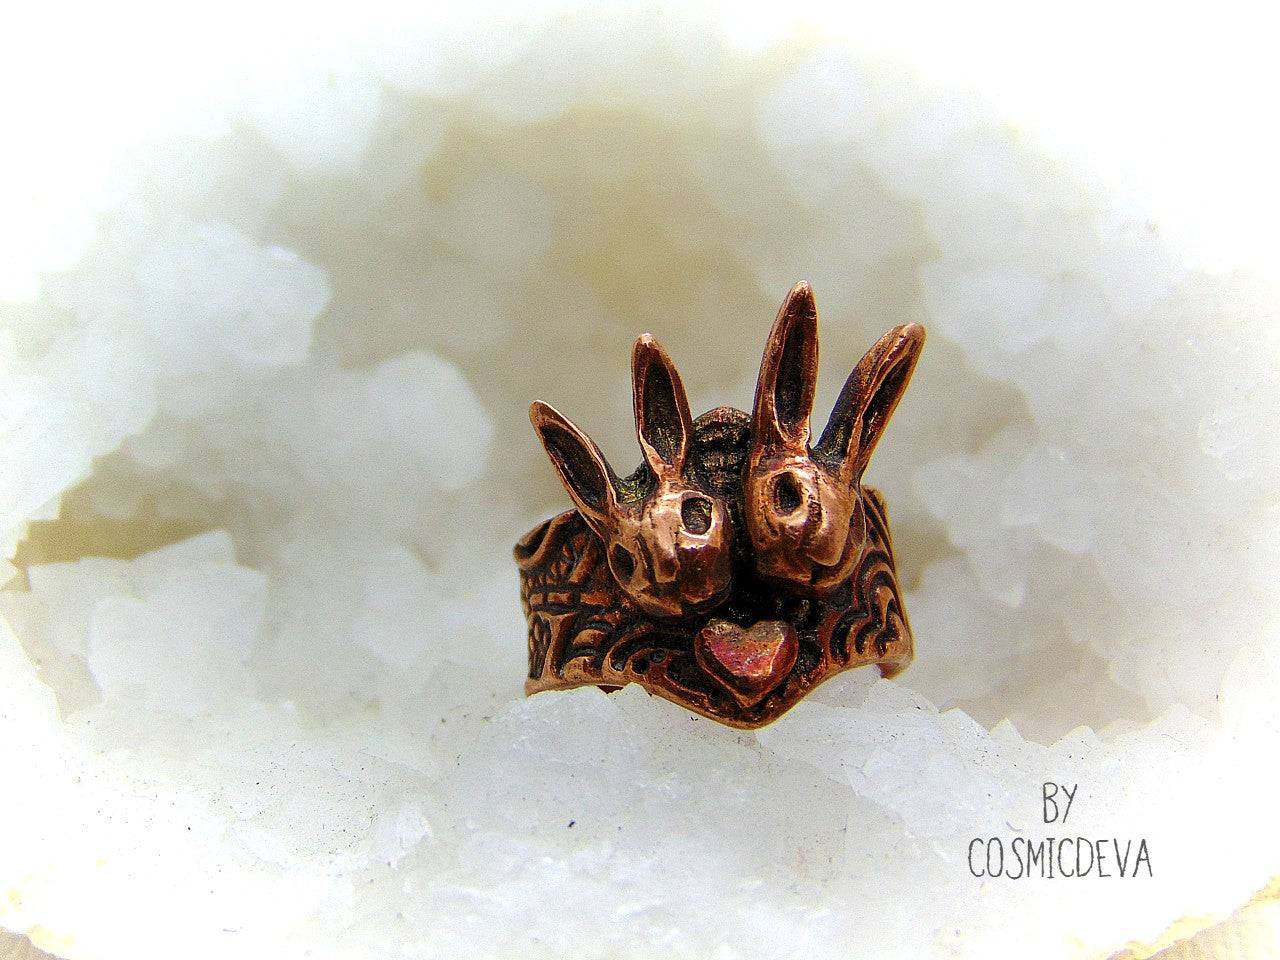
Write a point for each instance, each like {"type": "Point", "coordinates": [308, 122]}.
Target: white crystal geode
{"type": "Point", "coordinates": [265, 455]}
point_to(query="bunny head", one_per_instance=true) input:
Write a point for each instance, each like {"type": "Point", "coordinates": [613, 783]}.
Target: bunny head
{"type": "Point", "coordinates": [803, 505]}
{"type": "Point", "coordinates": [667, 542]}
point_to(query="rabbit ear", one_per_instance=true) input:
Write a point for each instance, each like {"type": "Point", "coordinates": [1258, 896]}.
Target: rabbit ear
{"type": "Point", "coordinates": [788, 372]}
{"type": "Point", "coordinates": [663, 423]}
{"type": "Point", "coordinates": [583, 469]}
{"type": "Point", "coordinates": [868, 399]}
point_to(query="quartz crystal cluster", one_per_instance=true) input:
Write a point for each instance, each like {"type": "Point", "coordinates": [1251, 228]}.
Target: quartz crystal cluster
{"type": "Point", "coordinates": [265, 450]}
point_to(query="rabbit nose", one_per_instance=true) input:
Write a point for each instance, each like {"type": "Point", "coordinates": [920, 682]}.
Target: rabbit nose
{"type": "Point", "coordinates": [828, 525]}
{"type": "Point", "coordinates": [826, 545]}
{"type": "Point", "coordinates": [666, 566]}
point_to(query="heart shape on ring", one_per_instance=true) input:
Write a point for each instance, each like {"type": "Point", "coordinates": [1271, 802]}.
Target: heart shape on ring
{"type": "Point", "coordinates": [748, 663]}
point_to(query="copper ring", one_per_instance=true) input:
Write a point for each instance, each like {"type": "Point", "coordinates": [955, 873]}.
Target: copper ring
{"type": "Point", "coordinates": [739, 566]}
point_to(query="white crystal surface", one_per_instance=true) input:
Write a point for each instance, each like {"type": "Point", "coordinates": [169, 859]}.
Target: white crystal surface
{"type": "Point", "coordinates": [266, 453]}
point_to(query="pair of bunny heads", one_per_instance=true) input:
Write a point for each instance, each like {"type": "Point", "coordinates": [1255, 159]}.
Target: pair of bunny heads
{"type": "Point", "coordinates": [669, 543]}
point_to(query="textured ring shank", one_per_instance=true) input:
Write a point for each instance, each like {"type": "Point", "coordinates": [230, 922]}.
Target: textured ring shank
{"type": "Point", "coordinates": [582, 632]}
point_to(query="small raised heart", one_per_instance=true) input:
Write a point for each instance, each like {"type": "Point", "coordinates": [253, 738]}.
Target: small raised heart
{"type": "Point", "coordinates": [748, 663]}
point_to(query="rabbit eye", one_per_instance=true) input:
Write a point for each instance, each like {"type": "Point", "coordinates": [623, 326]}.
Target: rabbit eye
{"type": "Point", "coordinates": [696, 514]}
{"type": "Point", "coordinates": [623, 563]}
{"type": "Point", "coordinates": [786, 494]}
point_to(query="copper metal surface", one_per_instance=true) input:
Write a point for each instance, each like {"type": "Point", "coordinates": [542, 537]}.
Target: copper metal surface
{"type": "Point", "coordinates": [739, 566]}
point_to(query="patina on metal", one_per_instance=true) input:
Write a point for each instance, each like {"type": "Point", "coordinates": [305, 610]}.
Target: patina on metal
{"type": "Point", "coordinates": [740, 565]}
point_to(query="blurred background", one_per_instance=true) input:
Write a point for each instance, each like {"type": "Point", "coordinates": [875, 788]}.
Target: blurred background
{"type": "Point", "coordinates": [279, 283]}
